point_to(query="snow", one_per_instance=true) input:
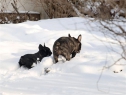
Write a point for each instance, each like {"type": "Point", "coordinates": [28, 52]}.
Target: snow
{"type": "Point", "coordinates": [79, 76]}
{"type": "Point", "coordinates": [31, 12]}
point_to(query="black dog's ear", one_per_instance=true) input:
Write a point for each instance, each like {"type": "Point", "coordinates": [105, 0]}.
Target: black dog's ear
{"type": "Point", "coordinates": [40, 46]}
{"type": "Point", "coordinates": [69, 35]}
{"type": "Point", "coordinates": [44, 44]}
{"type": "Point", "coordinates": [79, 38]}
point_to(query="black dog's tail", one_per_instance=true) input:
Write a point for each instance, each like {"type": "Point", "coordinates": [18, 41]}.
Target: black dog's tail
{"type": "Point", "coordinates": [20, 62]}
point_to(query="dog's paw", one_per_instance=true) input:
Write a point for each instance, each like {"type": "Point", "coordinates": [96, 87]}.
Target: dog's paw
{"type": "Point", "coordinates": [47, 70]}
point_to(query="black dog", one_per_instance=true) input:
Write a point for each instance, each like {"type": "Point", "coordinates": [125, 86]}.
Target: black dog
{"type": "Point", "coordinates": [28, 59]}
{"type": "Point", "coordinates": [66, 46]}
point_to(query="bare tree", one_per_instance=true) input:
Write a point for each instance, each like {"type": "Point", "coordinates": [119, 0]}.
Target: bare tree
{"type": "Point", "coordinates": [56, 8]}
{"type": "Point", "coordinates": [111, 15]}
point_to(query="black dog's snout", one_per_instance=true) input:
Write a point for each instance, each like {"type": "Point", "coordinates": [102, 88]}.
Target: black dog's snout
{"type": "Point", "coordinates": [51, 53]}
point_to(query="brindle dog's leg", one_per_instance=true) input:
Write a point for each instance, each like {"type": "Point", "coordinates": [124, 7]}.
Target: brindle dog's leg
{"type": "Point", "coordinates": [56, 58]}
{"type": "Point", "coordinates": [73, 54]}
{"type": "Point", "coordinates": [67, 56]}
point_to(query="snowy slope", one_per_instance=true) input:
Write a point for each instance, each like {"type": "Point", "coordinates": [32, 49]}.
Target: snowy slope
{"type": "Point", "coordinates": [79, 76]}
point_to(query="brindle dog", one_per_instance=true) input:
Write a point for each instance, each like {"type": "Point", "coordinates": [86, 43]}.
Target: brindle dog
{"type": "Point", "coordinates": [66, 46]}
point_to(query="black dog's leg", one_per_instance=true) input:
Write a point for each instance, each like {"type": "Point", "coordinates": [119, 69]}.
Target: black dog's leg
{"type": "Point", "coordinates": [73, 54]}
{"type": "Point", "coordinates": [29, 67]}
{"type": "Point", "coordinates": [28, 62]}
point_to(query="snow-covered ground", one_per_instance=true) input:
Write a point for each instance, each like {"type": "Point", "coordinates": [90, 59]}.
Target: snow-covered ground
{"type": "Point", "coordinates": [79, 76]}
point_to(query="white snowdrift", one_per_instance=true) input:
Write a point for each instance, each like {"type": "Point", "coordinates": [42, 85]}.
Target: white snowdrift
{"type": "Point", "coordinates": [78, 76]}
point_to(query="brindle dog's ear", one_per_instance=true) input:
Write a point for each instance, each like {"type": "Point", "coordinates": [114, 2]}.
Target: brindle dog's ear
{"type": "Point", "coordinates": [79, 38]}
{"type": "Point", "coordinates": [40, 46]}
{"type": "Point", "coordinates": [69, 35]}
{"type": "Point", "coordinates": [44, 44]}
